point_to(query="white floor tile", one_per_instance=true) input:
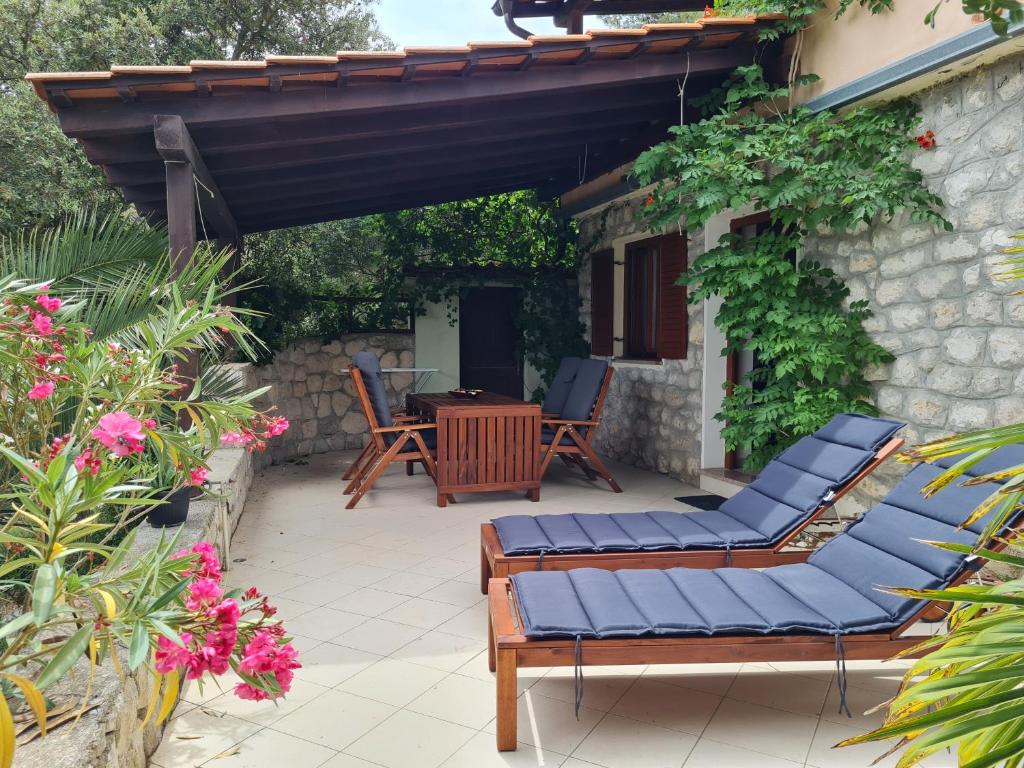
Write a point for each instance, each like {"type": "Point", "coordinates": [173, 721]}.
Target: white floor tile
{"type": "Point", "coordinates": [618, 742]}
{"type": "Point", "coordinates": [270, 749]}
{"type": "Point", "coordinates": [197, 736]}
{"type": "Point", "coordinates": [762, 729]}
{"type": "Point", "coordinates": [602, 686]}
{"type": "Point", "coordinates": [409, 740]}
{"type": "Point", "coordinates": [782, 690]}
{"type": "Point", "coordinates": [440, 651]}
{"type": "Point", "coordinates": [268, 712]}
{"type": "Point", "coordinates": [457, 699]}
{"type": "Point", "coordinates": [711, 754]}
{"type": "Point", "coordinates": [481, 752]}
{"type": "Point", "coordinates": [379, 636]}
{"type": "Point", "coordinates": [393, 682]}
{"type": "Point", "coordinates": [337, 720]}
{"type": "Point", "coordinates": [368, 601]}
{"type": "Point", "coordinates": [552, 724]}
{"type": "Point", "coordinates": [667, 706]}
{"type": "Point", "coordinates": [411, 584]}
{"type": "Point", "coordinates": [324, 623]}
{"type": "Point", "coordinates": [319, 591]}
{"type": "Point", "coordinates": [330, 664]}
{"type": "Point", "coordinates": [425, 614]}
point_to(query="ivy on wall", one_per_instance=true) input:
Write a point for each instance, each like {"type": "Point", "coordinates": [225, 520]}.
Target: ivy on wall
{"type": "Point", "coordinates": [810, 171]}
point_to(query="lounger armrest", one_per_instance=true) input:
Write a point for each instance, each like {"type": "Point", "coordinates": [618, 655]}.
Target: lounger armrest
{"type": "Point", "coordinates": [403, 428]}
{"type": "Point", "coordinates": [558, 422]}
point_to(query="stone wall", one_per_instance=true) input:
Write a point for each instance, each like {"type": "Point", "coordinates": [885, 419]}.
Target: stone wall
{"type": "Point", "coordinates": [652, 417]}
{"type": "Point", "coordinates": [310, 385]}
{"type": "Point", "coordinates": [955, 329]}
{"type": "Point", "coordinates": [111, 735]}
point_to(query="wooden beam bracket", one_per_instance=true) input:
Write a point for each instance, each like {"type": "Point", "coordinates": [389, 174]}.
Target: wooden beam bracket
{"type": "Point", "coordinates": [175, 145]}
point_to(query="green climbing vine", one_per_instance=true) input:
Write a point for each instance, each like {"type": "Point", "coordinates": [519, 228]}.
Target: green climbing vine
{"type": "Point", "coordinates": [810, 171]}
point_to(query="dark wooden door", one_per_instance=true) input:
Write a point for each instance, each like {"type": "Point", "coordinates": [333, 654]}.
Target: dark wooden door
{"type": "Point", "coordinates": [490, 352]}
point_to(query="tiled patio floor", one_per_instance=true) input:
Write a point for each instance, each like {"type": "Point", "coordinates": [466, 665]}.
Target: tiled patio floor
{"type": "Point", "coordinates": [391, 627]}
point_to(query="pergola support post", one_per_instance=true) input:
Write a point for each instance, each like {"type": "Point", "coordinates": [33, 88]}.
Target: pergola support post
{"type": "Point", "coordinates": [186, 173]}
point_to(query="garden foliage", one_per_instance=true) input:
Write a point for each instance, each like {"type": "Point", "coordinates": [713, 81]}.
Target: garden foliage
{"type": "Point", "coordinates": [810, 171]}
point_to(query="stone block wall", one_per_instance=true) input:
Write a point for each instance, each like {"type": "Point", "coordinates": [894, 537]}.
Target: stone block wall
{"type": "Point", "coordinates": [309, 383]}
{"type": "Point", "coordinates": [111, 735]}
{"type": "Point", "coordinates": [956, 330]}
{"type": "Point", "coordinates": [652, 417]}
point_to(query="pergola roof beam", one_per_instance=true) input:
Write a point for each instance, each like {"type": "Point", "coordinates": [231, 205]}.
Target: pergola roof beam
{"type": "Point", "coordinates": [175, 146]}
{"type": "Point", "coordinates": [397, 98]}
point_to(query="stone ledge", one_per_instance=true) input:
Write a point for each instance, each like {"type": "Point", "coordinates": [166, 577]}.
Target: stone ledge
{"type": "Point", "coordinates": [112, 735]}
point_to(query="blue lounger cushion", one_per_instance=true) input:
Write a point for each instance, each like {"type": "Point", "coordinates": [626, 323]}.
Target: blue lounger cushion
{"type": "Point", "coordinates": [839, 590]}
{"type": "Point", "coordinates": [785, 493]}
{"type": "Point", "coordinates": [373, 380]}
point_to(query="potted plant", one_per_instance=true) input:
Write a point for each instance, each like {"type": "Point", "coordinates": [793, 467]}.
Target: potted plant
{"type": "Point", "coordinates": [174, 484]}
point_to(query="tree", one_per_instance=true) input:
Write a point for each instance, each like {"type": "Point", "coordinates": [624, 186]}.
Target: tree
{"type": "Point", "coordinates": [43, 175]}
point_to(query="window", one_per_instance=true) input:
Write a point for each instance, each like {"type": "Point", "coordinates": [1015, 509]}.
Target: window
{"type": "Point", "coordinates": [642, 302]}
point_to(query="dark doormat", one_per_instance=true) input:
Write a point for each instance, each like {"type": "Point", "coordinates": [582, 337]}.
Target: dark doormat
{"type": "Point", "coordinates": [704, 501]}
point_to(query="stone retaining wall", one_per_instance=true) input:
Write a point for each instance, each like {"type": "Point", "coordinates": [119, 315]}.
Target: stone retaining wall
{"type": "Point", "coordinates": [652, 417]}
{"type": "Point", "coordinates": [310, 385]}
{"type": "Point", "coordinates": [112, 734]}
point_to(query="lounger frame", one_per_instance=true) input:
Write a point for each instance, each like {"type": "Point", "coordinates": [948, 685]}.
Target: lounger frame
{"type": "Point", "coordinates": [508, 650]}
{"type": "Point", "coordinates": [494, 563]}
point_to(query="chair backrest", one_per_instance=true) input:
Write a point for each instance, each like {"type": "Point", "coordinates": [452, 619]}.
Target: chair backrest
{"type": "Point", "coordinates": [373, 381]}
{"type": "Point", "coordinates": [558, 392]}
{"type": "Point", "coordinates": [806, 475]}
{"type": "Point", "coordinates": [886, 547]}
{"type": "Point", "coordinates": [586, 387]}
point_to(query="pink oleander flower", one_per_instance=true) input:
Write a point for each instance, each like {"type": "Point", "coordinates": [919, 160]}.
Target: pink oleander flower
{"type": "Point", "coordinates": [226, 612]}
{"type": "Point", "coordinates": [277, 426]}
{"type": "Point", "coordinates": [43, 324]}
{"type": "Point", "coordinates": [198, 475]}
{"type": "Point", "coordinates": [150, 423]}
{"type": "Point", "coordinates": [202, 594]}
{"type": "Point", "coordinates": [85, 460]}
{"type": "Point", "coordinates": [248, 692]}
{"type": "Point", "coordinates": [169, 656]}
{"type": "Point", "coordinates": [49, 303]}
{"type": "Point", "coordinates": [41, 391]}
{"type": "Point", "coordinates": [231, 438]}
{"type": "Point", "coordinates": [121, 433]}
{"type": "Point", "coordinates": [208, 566]}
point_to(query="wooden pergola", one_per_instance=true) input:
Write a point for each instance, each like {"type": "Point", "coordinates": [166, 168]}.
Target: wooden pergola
{"type": "Point", "coordinates": [569, 14]}
{"type": "Point", "coordinates": [218, 149]}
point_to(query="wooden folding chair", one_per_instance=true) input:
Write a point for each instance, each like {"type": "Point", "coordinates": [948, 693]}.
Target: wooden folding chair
{"type": "Point", "coordinates": [401, 441]}
{"type": "Point", "coordinates": [571, 438]}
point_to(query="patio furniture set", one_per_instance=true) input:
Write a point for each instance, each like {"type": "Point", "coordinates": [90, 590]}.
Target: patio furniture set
{"type": "Point", "coordinates": [471, 443]}
{"type": "Point", "coordinates": [719, 585]}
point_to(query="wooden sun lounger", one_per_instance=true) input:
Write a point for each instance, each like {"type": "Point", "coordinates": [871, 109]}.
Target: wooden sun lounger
{"type": "Point", "coordinates": [508, 650]}
{"type": "Point", "coordinates": [494, 563]}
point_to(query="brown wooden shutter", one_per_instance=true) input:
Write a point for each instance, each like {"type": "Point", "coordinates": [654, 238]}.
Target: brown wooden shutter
{"type": "Point", "coordinates": [672, 315]}
{"type": "Point", "coordinates": [602, 302]}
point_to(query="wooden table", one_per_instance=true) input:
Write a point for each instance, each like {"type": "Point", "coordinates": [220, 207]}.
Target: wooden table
{"type": "Point", "coordinates": [487, 443]}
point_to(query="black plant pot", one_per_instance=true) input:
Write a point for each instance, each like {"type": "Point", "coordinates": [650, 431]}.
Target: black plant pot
{"type": "Point", "coordinates": [174, 510]}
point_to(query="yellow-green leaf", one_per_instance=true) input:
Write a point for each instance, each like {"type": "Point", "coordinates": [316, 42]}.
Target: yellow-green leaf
{"type": "Point", "coordinates": [33, 697]}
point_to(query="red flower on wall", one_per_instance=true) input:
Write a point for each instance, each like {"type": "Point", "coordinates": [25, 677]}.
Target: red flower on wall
{"type": "Point", "coordinates": [926, 140]}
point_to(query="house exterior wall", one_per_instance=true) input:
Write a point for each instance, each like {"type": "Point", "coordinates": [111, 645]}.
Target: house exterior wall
{"type": "Point", "coordinates": [957, 332]}
{"type": "Point", "coordinates": [652, 416]}
{"type": "Point", "coordinates": [860, 42]}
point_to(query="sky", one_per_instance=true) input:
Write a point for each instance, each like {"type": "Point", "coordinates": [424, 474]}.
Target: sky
{"type": "Point", "coordinates": [448, 22]}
